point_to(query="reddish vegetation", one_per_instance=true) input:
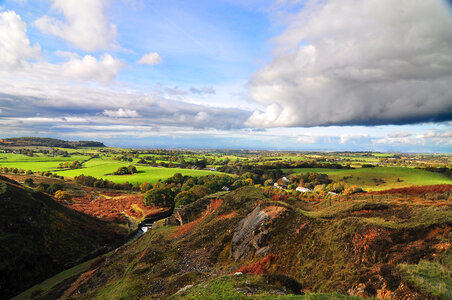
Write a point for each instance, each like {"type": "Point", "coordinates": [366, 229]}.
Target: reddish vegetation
{"type": "Point", "coordinates": [260, 266]}
{"type": "Point", "coordinates": [112, 194]}
{"type": "Point", "coordinates": [416, 190]}
{"type": "Point", "coordinates": [274, 211]}
{"type": "Point", "coordinates": [80, 281]}
{"type": "Point", "coordinates": [227, 216]}
{"type": "Point", "coordinates": [397, 246]}
{"type": "Point", "coordinates": [280, 197]}
{"type": "Point", "coordinates": [186, 228]}
{"type": "Point", "coordinates": [113, 209]}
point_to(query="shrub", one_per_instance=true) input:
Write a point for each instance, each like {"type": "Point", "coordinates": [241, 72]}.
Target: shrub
{"type": "Point", "coordinates": [62, 195]}
{"type": "Point", "coordinates": [29, 182]}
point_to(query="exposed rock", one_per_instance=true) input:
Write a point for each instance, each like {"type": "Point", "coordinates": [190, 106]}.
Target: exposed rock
{"type": "Point", "coordinates": [251, 232]}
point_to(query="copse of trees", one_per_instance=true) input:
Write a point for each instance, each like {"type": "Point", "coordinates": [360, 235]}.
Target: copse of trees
{"type": "Point", "coordinates": [126, 170]}
{"type": "Point", "coordinates": [102, 183]}
{"type": "Point", "coordinates": [70, 165]}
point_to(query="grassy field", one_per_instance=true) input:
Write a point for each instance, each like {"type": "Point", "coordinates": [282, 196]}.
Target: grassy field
{"type": "Point", "coordinates": [97, 167]}
{"type": "Point", "coordinates": [380, 178]}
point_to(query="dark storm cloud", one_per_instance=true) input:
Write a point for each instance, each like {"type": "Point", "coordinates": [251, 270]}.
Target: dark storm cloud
{"type": "Point", "coordinates": [349, 62]}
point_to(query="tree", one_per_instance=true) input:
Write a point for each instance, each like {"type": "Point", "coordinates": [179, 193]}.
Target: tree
{"type": "Point", "coordinates": [184, 198]}
{"type": "Point", "coordinates": [163, 197]}
{"type": "Point", "coordinates": [126, 170]}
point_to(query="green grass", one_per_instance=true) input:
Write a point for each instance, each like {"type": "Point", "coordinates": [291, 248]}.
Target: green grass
{"type": "Point", "coordinates": [430, 277]}
{"type": "Point", "coordinates": [364, 178]}
{"type": "Point", "coordinates": [97, 167]}
{"type": "Point", "coordinates": [230, 287]}
{"type": "Point", "coordinates": [100, 167]}
{"type": "Point", "coordinates": [53, 281]}
{"type": "Point", "coordinates": [36, 164]}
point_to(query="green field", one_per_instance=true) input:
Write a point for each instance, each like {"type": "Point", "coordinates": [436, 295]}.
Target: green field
{"type": "Point", "coordinates": [97, 167]}
{"type": "Point", "coordinates": [380, 178]}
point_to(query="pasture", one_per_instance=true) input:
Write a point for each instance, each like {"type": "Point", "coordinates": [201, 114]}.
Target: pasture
{"type": "Point", "coordinates": [97, 167]}
{"type": "Point", "coordinates": [380, 178]}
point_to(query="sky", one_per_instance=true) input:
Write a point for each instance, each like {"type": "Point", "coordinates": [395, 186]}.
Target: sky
{"type": "Point", "coordinates": [328, 75]}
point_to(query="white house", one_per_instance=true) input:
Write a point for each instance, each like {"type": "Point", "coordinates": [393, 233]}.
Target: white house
{"type": "Point", "coordinates": [302, 189]}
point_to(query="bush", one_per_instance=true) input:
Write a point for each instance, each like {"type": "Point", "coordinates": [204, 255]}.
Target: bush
{"type": "Point", "coordinates": [29, 182]}
{"type": "Point", "coordinates": [62, 195]}
{"type": "Point", "coordinates": [53, 188]}
{"type": "Point", "coordinates": [184, 198]}
{"type": "Point", "coordinates": [126, 170]}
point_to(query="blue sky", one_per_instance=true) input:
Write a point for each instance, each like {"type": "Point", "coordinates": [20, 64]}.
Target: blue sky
{"type": "Point", "coordinates": [283, 74]}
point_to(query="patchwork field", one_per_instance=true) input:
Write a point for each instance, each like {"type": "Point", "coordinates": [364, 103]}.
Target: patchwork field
{"type": "Point", "coordinates": [97, 167]}
{"type": "Point", "coordinates": [380, 178]}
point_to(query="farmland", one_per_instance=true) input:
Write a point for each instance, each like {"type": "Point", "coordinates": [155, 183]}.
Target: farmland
{"type": "Point", "coordinates": [388, 170]}
{"type": "Point", "coordinates": [97, 167]}
{"type": "Point", "coordinates": [380, 178]}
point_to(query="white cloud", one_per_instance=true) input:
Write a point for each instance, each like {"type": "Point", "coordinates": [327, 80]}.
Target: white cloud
{"type": "Point", "coordinates": [396, 135]}
{"type": "Point", "coordinates": [86, 25]}
{"type": "Point", "coordinates": [89, 68]}
{"type": "Point", "coordinates": [201, 117]}
{"type": "Point", "coordinates": [305, 139]}
{"type": "Point", "coordinates": [150, 59]}
{"type": "Point", "coordinates": [15, 47]}
{"type": "Point", "coordinates": [348, 62]}
{"type": "Point", "coordinates": [121, 113]}
{"type": "Point", "coordinates": [346, 138]}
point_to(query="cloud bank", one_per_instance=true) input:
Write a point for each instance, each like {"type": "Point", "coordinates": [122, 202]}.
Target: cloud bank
{"type": "Point", "coordinates": [350, 62]}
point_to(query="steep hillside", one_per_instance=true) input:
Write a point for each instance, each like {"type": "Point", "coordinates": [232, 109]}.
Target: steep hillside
{"type": "Point", "coordinates": [244, 245]}
{"type": "Point", "coordinates": [39, 237]}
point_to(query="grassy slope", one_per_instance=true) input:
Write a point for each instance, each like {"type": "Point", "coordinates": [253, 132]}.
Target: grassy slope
{"type": "Point", "coordinates": [39, 237]}
{"type": "Point", "coordinates": [337, 249]}
{"type": "Point", "coordinates": [364, 178]}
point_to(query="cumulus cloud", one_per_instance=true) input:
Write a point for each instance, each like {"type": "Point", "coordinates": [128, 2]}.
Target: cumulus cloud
{"type": "Point", "coordinates": [121, 113]}
{"type": "Point", "coordinates": [349, 62]}
{"type": "Point", "coordinates": [17, 55]}
{"type": "Point", "coordinates": [89, 68]}
{"type": "Point", "coordinates": [203, 91]}
{"type": "Point", "coordinates": [86, 25]}
{"type": "Point", "coordinates": [15, 47]}
{"type": "Point", "coordinates": [150, 59]}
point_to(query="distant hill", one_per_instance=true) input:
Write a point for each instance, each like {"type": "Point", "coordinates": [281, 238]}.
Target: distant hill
{"type": "Point", "coordinates": [40, 237]}
{"type": "Point", "coordinates": [48, 142]}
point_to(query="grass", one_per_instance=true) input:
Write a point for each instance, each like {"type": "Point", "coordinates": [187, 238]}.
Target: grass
{"type": "Point", "coordinates": [97, 167]}
{"type": "Point", "coordinates": [422, 215]}
{"type": "Point", "coordinates": [430, 276]}
{"type": "Point", "coordinates": [378, 179]}
{"type": "Point", "coordinates": [255, 286]}
{"type": "Point", "coordinates": [53, 281]}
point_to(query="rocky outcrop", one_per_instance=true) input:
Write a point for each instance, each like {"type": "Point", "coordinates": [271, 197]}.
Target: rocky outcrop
{"type": "Point", "coordinates": [251, 233]}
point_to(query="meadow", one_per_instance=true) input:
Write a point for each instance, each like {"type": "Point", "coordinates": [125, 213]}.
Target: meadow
{"type": "Point", "coordinates": [380, 178]}
{"type": "Point", "coordinates": [97, 167]}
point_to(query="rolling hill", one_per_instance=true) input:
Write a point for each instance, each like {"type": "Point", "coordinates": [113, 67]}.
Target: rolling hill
{"type": "Point", "coordinates": [40, 237]}
{"type": "Point", "coordinates": [241, 245]}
